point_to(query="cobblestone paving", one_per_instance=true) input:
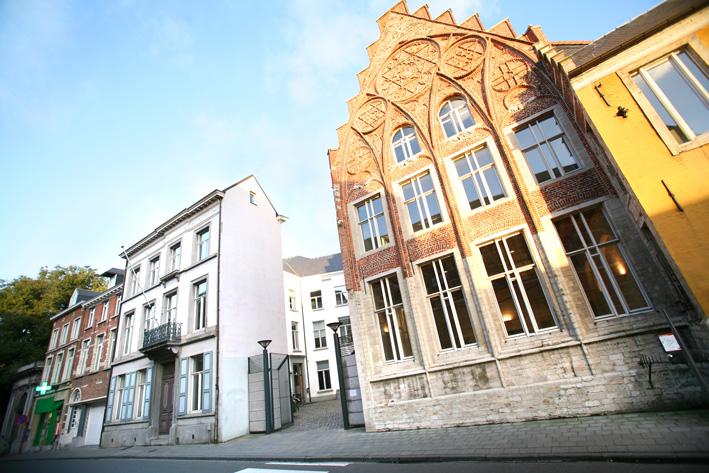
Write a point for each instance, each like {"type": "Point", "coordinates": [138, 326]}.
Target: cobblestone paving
{"type": "Point", "coordinates": [322, 415]}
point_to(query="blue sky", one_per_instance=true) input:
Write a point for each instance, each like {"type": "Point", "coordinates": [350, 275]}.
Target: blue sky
{"type": "Point", "coordinates": [116, 115]}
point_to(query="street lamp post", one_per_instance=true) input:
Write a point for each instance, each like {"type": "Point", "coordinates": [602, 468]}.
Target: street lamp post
{"type": "Point", "coordinates": [267, 385]}
{"type": "Point", "coordinates": [335, 326]}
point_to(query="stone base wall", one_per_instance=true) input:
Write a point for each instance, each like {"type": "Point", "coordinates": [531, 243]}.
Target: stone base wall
{"type": "Point", "coordinates": [126, 435]}
{"type": "Point", "coordinates": [550, 384]}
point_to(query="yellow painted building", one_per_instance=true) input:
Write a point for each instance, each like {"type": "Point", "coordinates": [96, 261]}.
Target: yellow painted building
{"type": "Point", "coordinates": [642, 89]}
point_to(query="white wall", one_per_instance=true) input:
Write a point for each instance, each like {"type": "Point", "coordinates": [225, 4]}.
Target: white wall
{"type": "Point", "coordinates": [250, 297]}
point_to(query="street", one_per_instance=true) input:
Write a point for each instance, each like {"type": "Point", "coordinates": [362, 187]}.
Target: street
{"type": "Point", "coordinates": [231, 466]}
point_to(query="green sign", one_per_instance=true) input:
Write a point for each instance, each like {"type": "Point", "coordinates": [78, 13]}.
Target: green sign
{"type": "Point", "coordinates": [43, 389]}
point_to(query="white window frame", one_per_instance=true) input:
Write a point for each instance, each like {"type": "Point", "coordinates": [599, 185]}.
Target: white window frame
{"type": "Point", "coordinates": [75, 328]}
{"type": "Point", "coordinates": [69, 362]}
{"type": "Point", "coordinates": [389, 311]}
{"type": "Point", "coordinates": [65, 334]}
{"type": "Point", "coordinates": [322, 379]}
{"type": "Point", "coordinates": [54, 339]}
{"type": "Point", "coordinates": [496, 164]}
{"type": "Point", "coordinates": [295, 336]}
{"type": "Point", "coordinates": [175, 252]}
{"type": "Point", "coordinates": [169, 313]}
{"type": "Point", "coordinates": [92, 316]}
{"type": "Point", "coordinates": [341, 296]}
{"type": "Point", "coordinates": [316, 302]}
{"type": "Point", "coordinates": [196, 377]}
{"type": "Point", "coordinates": [512, 275]}
{"type": "Point", "coordinates": [47, 372]}
{"type": "Point", "coordinates": [58, 365]}
{"type": "Point", "coordinates": [120, 392]}
{"type": "Point", "coordinates": [199, 243]}
{"type": "Point", "coordinates": [372, 222]}
{"type": "Point", "coordinates": [454, 116]}
{"type": "Point", "coordinates": [420, 199]}
{"type": "Point", "coordinates": [292, 300]}
{"type": "Point", "coordinates": [405, 143]}
{"type": "Point", "coordinates": [592, 248]}
{"type": "Point", "coordinates": [83, 357]}
{"type": "Point", "coordinates": [112, 338]}
{"type": "Point", "coordinates": [104, 310]}
{"type": "Point", "coordinates": [140, 382]}
{"type": "Point", "coordinates": [128, 331]}
{"type": "Point", "coordinates": [319, 335]}
{"type": "Point", "coordinates": [153, 271]}
{"type": "Point", "coordinates": [98, 351]}
{"type": "Point", "coordinates": [199, 305]}
{"type": "Point", "coordinates": [135, 280]}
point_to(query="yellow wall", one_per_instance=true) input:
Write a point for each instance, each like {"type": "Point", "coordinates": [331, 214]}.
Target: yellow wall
{"type": "Point", "coordinates": [644, 159]}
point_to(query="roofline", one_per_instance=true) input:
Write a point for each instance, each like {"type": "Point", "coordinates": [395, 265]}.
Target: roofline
{"type": "Point", "coordinates": [579, 69]}
{"type": "Point", "coordinates": [107, 293]}
{"type": "Point", "coordinates": [66, 311]}
{"type": "Point", "coordinates": [160, 230]}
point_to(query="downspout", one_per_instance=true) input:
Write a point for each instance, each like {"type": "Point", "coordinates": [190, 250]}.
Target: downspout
{"type": "Point", "coordinates": [218, 357]}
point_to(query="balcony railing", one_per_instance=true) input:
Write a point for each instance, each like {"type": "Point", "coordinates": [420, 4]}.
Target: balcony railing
{"type": "Point", "coordinates": [169, 332]}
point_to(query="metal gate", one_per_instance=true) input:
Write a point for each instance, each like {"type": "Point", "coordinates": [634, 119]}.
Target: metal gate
{"type": "Point", "coordinates": [274, 402]}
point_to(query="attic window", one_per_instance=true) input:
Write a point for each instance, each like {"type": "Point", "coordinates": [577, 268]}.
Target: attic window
{"type": "Point", "coordinates": [252, 197]}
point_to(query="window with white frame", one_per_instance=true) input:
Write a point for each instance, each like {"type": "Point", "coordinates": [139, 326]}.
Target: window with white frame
{"type": "Point", "coordinates": [324, 375]}
{"type": "Point", "coordinates": [149, 320]}
{"type": "Point", "coordinates": [104, 310]}
{"type": "Point", "coordinates": [47, 368]}
{"type": "Point", "coordinates": [202, 244]}
{"type": "Point", "coordinates": [118, 305]}
{"type": "Point", "coordinates": [292, 302]}
{"type": "Point", "coordinates": [445, 295]}
{"type": "Point", "coordinates": [120, 393]}
{"type": "Point", "coordinates": [175, 256]}
{"type": "Point", "coordinates": [523, 305]}
{"type": "Point", "coordinates": [320, 334]}
{"type": "Point", "coordinates": [545, 148]}
{"type": "Point", "coordinates": [65, 334]}
{"type": "Point", "coordinates": [140, 387]}
{"type": "Point", "coordinates": [92, 315]}
{"type": "Point", "coordinates": [199, 291]}
{"type": "Point", "coordinates": [69, 364]}
{"type": "Point", "coordinates": [340, 296]}
{"type": "Point", "coordinates": [135, 281]}
{"type": "Point", "coordinates": [54, 339]}
{"type": "Point", "coordinates": [75, 328]}
{"type": "Point", "coordinates": [197, 380]}
{"type": "Point", "coordinates": [316, 300]}
{"type": "Point", "coordinates": [252, 198]}
{"type": "Point", "coordinates": [83, 357]}
{"type": "Point", "coordinates": [477, 172]}
{"type": "Point", "coordinates": [111, 346]}
{"type": "Point", "coordinates": [605, 275]}
{"type": "Point", "coordinates": [170, 308]}
{"type": "Point", "coordinates": [57, 368]}
{"type": "Point", "coordinates": [127, 332]}
{"type": "Point", "coordinates": [421, 202]}
{"type": "Point", "coordinates": [389, 310]}
{"type": "Point", "coordinates": [98, 352]}
{"type": "Point", "coordinates": [677, 87]}
{"type": "Point", "coordinates": [405, 144]}
{"type": "Point", "coordinates": [295, 336]}
{"type": "Point", "coordinates": [372, 224]}
{"type": "Point", "coordinates": [154, 271]}
{"type": "Point", "coordinates": [455, 116]}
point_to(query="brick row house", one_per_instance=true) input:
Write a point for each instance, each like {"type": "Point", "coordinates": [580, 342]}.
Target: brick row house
{"type": "Point", "coordinates": [494, 274]}
{"type": "Point", "coordinates": [69, 406]}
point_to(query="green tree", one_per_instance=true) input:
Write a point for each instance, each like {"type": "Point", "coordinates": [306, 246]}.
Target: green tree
{"type": "Point", "coordinates": [26, 304]}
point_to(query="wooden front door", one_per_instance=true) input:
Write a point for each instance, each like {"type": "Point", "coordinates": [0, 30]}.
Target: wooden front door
{"type": "Point", "coordinates": [166, 397]}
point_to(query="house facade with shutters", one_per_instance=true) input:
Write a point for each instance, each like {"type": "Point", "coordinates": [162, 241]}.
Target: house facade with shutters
{"type": "Point", "coordinates": [201, 290]}
{"type": "Point", "coordinates": [494, 274]}
{"type": "Point", "coordinates": [315, 295]}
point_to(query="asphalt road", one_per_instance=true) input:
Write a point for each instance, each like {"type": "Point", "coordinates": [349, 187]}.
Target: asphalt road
{"type": "Point", "coordinates": [220, 466]}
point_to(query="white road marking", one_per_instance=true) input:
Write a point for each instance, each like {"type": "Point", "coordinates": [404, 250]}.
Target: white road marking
{"type": "Point", "coordinates": [308, 463]}
{"type": "Point", "coordinates": [269, 470]}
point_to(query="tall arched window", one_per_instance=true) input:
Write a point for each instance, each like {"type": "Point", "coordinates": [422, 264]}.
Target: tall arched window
{"type": "Point", "coordinates": [405, 144]}
{"type": "Point", "coordinates": [455, 116]}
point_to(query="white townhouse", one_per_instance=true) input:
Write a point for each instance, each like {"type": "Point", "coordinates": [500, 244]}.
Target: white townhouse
{"type": "Point", "coordinates": [201, 290]}
{"type": "Point", "coordinates": [315, 296]}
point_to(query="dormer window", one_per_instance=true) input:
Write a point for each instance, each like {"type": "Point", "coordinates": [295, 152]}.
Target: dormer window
{"type": "Point", "coordinates": [455, 116]}
{"type": "Point", "coordinates": [405, 144]}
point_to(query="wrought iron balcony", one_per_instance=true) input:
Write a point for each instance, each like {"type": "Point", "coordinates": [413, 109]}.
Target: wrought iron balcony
{"type": "Point", "coordinates": [157, 341]}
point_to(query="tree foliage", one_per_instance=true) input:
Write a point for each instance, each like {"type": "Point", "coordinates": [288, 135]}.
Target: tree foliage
{"type": "Point", "coordinates": [26, 304]}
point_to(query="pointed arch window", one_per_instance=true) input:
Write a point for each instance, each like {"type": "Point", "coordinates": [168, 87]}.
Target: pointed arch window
{"type": "Point", "coordinates": [405, 144]}
{"type": "Point", "coordinates": [455, 116]}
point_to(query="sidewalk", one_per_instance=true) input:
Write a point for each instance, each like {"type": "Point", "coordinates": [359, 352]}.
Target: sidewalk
{"type": "Point", "coordinates": [681, 436]}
